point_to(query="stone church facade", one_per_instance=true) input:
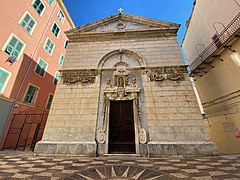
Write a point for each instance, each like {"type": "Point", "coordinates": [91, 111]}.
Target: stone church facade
{"type": "Point", "coordinates": [124, 89]}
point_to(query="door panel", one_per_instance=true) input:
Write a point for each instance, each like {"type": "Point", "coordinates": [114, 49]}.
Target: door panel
{"type": "Point", "coordinates": [121, 127]}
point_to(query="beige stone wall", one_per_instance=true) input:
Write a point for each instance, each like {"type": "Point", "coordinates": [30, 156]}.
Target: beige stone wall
{"type": "Point", "coordinates": [158, 51]}
{"type": "Point", "coordinates": [73, 114]}
{"type": "Point", "coordinates": [218, 87]}
{"type": "Point", "coordinates": [172, 111]}
{"type": "Point", "coordinates": [219, 91]}
{"type": "Point", "coordinates": [221, 80]}
{"type": "Point", "coordinates": [201, 29]}
{"type": "Point", "coordinates": [222, 130]}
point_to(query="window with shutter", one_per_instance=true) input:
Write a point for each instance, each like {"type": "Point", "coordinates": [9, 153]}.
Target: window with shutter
{"type": "Point", "coordinates": [14, 47]}
{"type": "Point", "coordinates": [28, 23]}
{"type": "Point", "coordinates": [61, 59]}
{"type": "Point", "coordinates": [55, 30]}
{"type": "Point", "coordinates": [30, 95]}
{"type": "Point", "coordinates": [49, 103]}
{"type": "Point", "coordinates": [50, 2]}
{"type": "Point", "coordinates": [41, 67]}
{"type": "Point", "coordinates": [3, 79]}
{"type": "Point", "coordinates": [56, 77]}
{"type": "Point", "coordinates": [66, 44]}
{"type": "Point", "coordinates": [49, 46]}
{"type": "Point", "coordinates": [38, 6]}
{"type": "Point", "coordinates": [60, 16]}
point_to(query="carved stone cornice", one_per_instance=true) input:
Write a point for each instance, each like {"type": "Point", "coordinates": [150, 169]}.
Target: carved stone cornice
{"type": "Point", "coordinates": [173, 73]}
{"type": "Point", "coordinates": [79, 76]}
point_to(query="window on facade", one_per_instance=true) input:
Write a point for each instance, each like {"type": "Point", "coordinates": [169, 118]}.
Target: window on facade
{"type": "Point", "coordinates": [60, 16]}
{"type": "Point", "coordinates": [49, 46]}
{"type": "Point", "coordinates": [50, 2]}
{"type": "Point", "coordinates": [55, 29]}
{"type": "Point", "coordinates": [41, 67]}
{"type": "Point", "coordinates": [3, 79]}
{"type": "Point", "coordinates": [38, 6]}
{"type": "Point", "coordinates": [61, 60]}
{"type": "Point", "coordinates": [66, 44]}
{"type": "Point", "coordinates": [49, 103]}
{"type": "Point", "coordinates": [31, 94]}
{"type": "Point", "coordinates": [56, 77]}
{"type": "Point", "coordinates": [14, 47]}
{"type": "Point", "coordinates": [28, 23]}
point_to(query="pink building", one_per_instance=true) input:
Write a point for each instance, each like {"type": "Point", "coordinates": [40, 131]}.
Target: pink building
{"type": "Point", "coordinates": [33, 46]}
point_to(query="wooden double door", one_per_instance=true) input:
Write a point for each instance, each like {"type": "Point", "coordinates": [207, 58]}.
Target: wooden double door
{"type": "Point", "coordinates": [121, 127]}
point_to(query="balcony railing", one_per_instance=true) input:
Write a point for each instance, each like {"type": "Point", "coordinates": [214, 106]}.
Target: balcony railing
{"type": "Point", "coordinates": [224, 36]}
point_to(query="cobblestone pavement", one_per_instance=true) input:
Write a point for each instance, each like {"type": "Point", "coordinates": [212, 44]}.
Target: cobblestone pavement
{"type": "Point", "coordinates": [17, 164]}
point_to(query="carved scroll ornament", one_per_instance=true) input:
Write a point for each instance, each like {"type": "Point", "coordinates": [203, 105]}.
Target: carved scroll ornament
{"type": "Point", "coordinates": [81, 76]}
{"type": "Point", "coordinates": [170, 73]}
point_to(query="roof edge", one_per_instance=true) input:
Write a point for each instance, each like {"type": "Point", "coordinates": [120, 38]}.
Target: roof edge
{"type": "Point", "coordinates": [125, 16]}
{"type": "Point", "coordinates": [188, 21]}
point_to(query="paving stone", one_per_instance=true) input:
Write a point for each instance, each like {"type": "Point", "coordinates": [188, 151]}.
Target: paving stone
{"type": "Point", "coordinates": [45, 174]}
{"type": "Point", "coordinates": [181, 165]}
{"type": "Point", "coordinates": [6, 166]}
{"type": "Point", "coordinates": [57, 167]}
{"type": "Point", "coordinates": [21, 176]}
{"type": "Point", "coordinates": [228, 168]}
{"type": "Point", "coordinates": [167, 168]}
{"type": "Point", "coordinates": [203, 167]}
{"type": "Point", "coordinates": [128, 163]}
{"type": "Point", "coordinates": [203, 178]}
{"type": "Point", "coordinates": [79, 164]}
{"type": "Point", "coordinates": [190, 170]}
{"type": "Point", "coordinates": [36, 169]}
{"type": "Point", "coordinates": [217, 173]}
{"type": "Point", "coordinates": [179, 175]}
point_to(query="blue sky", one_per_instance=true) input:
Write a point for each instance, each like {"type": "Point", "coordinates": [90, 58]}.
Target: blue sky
{"type": "Point", "coordinates": [86, 11]}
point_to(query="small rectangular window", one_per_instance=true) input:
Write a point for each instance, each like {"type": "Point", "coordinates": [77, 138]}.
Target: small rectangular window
{"type": "Point", "coordinates": [14, 47]}
{"type": "Point", "coordinates": [55, 30]}
{"type": "Point", "coordinates": [28, 23]}
{"type": "Point", "coordinates": [41, 67]}
{"type": "Point", "coordinates": [50, 2]}
{"type": "Point", "coordinates": [49, 103]}
{"type": "Point", "coordinates": [66, 44]}
{"type": "Point", "coordinates": [56, 77]}
{"type": "Point", "coordinates": [38, 6]}
{"type": "Point", "coordinates": [49, 46]}
{"type": "Point", "coordinates": [3, 79]}
{"type": "Point", "coordinates": [61, 60]}
{"type": "Point", "coordinates": [31, 94]}
{"type": "Point", "coordinates": [60, 16]}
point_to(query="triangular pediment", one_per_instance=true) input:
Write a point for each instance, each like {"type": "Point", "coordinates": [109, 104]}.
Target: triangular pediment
{"type": "Point", "coordinates": [123, 22]}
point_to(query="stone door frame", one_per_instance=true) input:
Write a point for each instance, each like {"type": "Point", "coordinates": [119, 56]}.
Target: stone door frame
{"type": "Point", "coordinates": [134, 97]}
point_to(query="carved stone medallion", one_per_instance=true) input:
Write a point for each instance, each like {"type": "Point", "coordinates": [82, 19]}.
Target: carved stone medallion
{"type": "Point", "coordinates": [101, 136]}
{"type": "Point", "coordinates": [142, 135]}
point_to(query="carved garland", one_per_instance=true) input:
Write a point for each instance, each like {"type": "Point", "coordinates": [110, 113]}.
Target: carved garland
{"type": "Point", "coordinates": [170, 73]}
{"type": "Point", "coordinates": [83, 76]}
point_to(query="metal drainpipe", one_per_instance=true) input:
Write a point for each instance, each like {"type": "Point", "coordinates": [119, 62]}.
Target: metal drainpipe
{"type": "Point", "coordinates": [25, 75]}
